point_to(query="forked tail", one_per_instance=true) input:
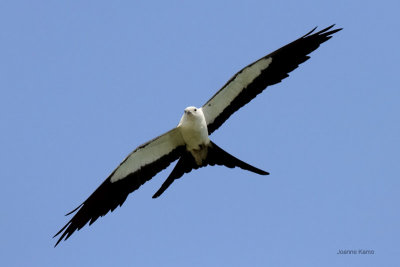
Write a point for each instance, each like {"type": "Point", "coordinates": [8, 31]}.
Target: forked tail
{"type": "Point", "coordinates": [215, 156]}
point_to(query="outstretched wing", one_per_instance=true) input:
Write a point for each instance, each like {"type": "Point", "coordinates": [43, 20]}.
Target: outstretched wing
{"type": "Point", "coordinates": [253, 79]}
{"type": "Point", "coordinates": [137, 168]}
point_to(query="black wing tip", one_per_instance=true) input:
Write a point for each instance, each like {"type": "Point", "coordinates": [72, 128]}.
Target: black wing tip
{"type": "Point", "coordinates": [58, 241]}
{"type": "Point", "coordinates": [66, 233]}
{"type": "Point", "coordinates": [69, 213]}
{"type": "Point", "coordinates": [326, 31]}
{"type": "Point", "coordinates": [61, 238]}
{"type": "Point", "coordinates": [310, 32]}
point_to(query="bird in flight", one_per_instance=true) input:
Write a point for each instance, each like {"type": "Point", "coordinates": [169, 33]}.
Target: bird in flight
{"type": "Point", "coordinates": [189, 142]}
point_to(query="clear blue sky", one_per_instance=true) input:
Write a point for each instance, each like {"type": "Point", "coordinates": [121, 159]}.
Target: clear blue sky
{"type": "Point", "coordinates": [83, 83]}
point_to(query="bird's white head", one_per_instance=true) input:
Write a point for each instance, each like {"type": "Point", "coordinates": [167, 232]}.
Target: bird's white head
{"type": "Point", "coordinates": [191, 111]}
{"type": "Point", "coordinates": [192, 115]}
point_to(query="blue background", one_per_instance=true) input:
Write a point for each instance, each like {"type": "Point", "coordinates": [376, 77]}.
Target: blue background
{"type": "Point", "coordinates": [85, 82]}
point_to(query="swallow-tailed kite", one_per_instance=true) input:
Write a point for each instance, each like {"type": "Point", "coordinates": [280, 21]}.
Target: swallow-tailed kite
{"type": "Point", "coordinates": [189, 141]}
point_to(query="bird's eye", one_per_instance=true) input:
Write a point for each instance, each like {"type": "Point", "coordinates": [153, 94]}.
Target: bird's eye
{"type": "Point", "coordinates": [195, 109]}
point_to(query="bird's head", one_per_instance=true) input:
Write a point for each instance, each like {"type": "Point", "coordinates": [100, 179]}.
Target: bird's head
{"type": "Point", "coordinates": [191, 111]}
{"type": "Point", "coordinates": [192, 115]}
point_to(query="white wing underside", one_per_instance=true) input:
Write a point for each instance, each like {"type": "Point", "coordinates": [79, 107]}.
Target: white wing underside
{"type": "Point", "coordinates": [148, 153]}
{"type": "Point", "coordinates": [224, 97]}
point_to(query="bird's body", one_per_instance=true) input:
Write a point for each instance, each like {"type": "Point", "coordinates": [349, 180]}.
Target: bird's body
{"type": "Point", "coordinates": [189, 142]}
{"type": "Point", "coordinates": [193, 128]}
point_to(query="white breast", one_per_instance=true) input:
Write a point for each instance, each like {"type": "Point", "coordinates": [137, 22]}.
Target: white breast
{"type": "Point", "coordinates": [193, 128]}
